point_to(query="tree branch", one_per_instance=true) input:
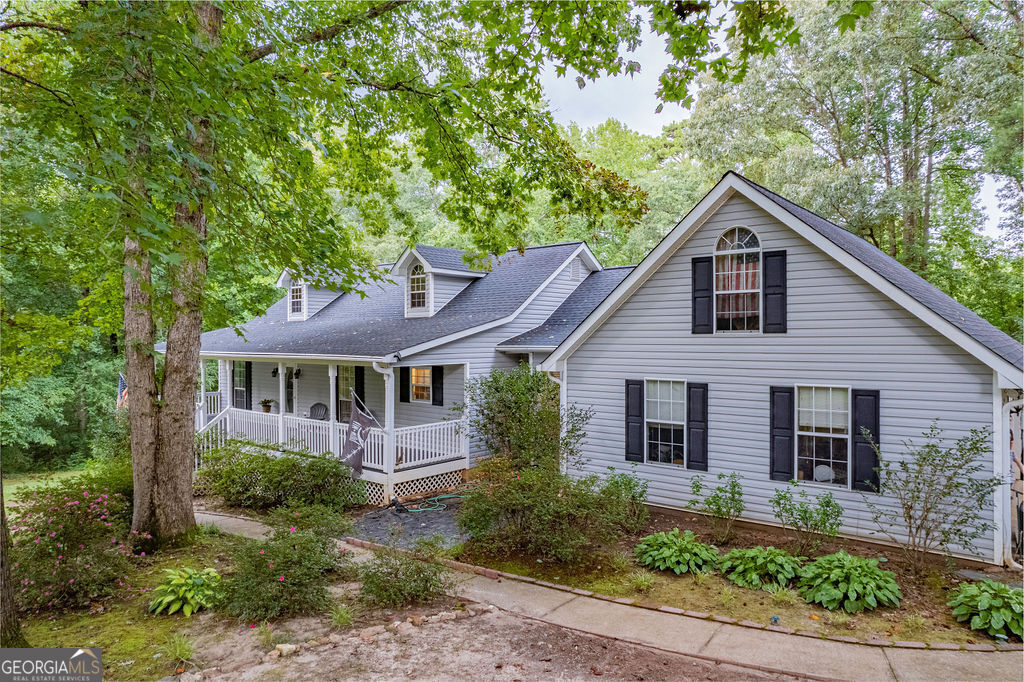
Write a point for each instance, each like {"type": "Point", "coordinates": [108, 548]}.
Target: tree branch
{"type": "Point", "coordinates": [329, 32]}
{"type": "Point", "coordinates": [33, 24]}
{"type": "Point", "coordinates": [53, 92]}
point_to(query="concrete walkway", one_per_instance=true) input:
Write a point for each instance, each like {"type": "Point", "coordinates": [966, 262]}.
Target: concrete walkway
{"type": "Point", "coordinates": [711, 640]}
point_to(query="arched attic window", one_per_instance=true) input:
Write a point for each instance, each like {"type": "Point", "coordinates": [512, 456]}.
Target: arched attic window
{"type": "Point", "coordinates": [738, 281]}
{"type": "Point", "coordinates": [417, 287]}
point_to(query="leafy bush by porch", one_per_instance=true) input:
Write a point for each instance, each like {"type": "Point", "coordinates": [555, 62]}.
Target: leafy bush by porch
{"type": "Point", "coordinates": [522, 502]}
{"type": "Point", "coordinates": [257, 476]}
{"type": "Point", "coordinates": [676, 552]}
{"type": "Point", "coordinates": [760, 567]}
{"type": "Point", "coordinates": [810, 520]}
{"type": "Point", "coordinates": [841, 581]}
{"type": "Point", "coordinates": [395, 578]}
{"type": "Point", "coordinates": [991, 606]}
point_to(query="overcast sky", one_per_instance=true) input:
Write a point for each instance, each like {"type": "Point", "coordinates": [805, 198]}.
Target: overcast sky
{"type": "Point", "coordinates": [632, 101]}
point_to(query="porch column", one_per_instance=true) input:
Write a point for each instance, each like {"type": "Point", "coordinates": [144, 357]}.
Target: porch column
{"type": "Point", "coordinates": [332, 373]}
{"type": "Point", "coordinates": [201, 399]}
{"type": "Point", "coordinates": [280, 401]}
{"type": "Point", "coordinates": [389, 434]}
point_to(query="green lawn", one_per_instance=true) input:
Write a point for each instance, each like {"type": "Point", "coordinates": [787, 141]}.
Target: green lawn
{"type": "Point", "coordinates": [19, 482]}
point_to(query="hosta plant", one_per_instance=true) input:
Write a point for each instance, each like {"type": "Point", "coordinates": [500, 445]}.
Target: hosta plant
{"type": "Point", "coordinates": [760, 567]}
{"type": "Point", "coordinates": [990, 606]}
{"type": "Point", "coordinates": [676, 552]}
{"type": "Point", "coordinates": [187, 590]}
{"type": "Point", "coordinates": [841, 581]}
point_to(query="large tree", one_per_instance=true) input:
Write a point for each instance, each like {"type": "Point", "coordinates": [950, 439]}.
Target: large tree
{"type": "Point", "coordinates": [242, 124]}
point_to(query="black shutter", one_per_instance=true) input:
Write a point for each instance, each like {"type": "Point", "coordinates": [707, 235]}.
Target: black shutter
{"type": "Point", "coordinates": [359, 379]}
{"type": "Point", "coordinates": [634, 420]}
{"type": "Point", "coordinates": [865, 459]}
{"type": "Point", "coordinates": [437, 385]}
{"type": "Point", "coordinates": [774, 292]}
{"type": "Point", "coordinates": [697, 427]}
{"type": "Point", "coordinates": [404, 379]}
{"type": "Point", "coordinates": [702, 289]}
{"type": "Point", "coordinates": [782, 448]}
{"type": "Point", "coordinates": [248, 385]}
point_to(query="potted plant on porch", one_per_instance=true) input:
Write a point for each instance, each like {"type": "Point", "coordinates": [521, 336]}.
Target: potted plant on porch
{"type": "Point", "coordinates": [266, 403]}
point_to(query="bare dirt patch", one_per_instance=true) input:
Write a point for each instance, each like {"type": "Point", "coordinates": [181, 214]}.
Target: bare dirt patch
{"type": "Point", "coordinates": [490, 646]}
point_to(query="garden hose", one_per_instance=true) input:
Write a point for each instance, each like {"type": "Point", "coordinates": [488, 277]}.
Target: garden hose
{"type": "Point", "coordinates": [433, 503]}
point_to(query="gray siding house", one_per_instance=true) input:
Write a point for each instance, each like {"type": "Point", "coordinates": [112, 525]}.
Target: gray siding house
{"type": "Point", "coordinates": [758, 338]}
{"type": "Point", "coordinates": [405, 351]}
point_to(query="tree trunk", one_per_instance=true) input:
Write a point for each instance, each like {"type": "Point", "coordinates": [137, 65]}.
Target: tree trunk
{"type": "Point", "coordinates": [11, 636]}
{"type": "Point", "coordinates": [140, 370]}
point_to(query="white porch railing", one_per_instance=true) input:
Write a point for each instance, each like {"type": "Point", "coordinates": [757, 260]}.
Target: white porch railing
{"type": "Point", "coordinates": [440, 446]}
{"type": "Point", "coordinates": [309, 434]}
{"type": "Point", "coordinates": [211, 402]}
{"type": "Point", "coordinates": [427, 444]}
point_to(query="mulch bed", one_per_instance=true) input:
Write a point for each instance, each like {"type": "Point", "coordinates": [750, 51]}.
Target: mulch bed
{"type": "Point", "coordinates": [420, 521]}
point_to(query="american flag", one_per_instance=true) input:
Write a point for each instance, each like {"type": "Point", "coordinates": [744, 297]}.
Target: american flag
{"type": "Point", "coordinates": [122, 391]}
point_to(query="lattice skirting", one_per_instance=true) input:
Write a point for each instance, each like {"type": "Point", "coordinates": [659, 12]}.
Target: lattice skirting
{"type": "Point", "coordinates": [374, 493]}
{"type": "Point", "coordinates": [418, 486]}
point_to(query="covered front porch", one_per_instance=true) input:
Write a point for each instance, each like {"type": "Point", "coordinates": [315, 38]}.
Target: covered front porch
{"type": "Point", "coordinates": [414, 446]}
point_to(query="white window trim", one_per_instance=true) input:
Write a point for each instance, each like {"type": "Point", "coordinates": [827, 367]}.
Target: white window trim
{"type": "Point", "coordinates": [665, 421]}
{"type": "Point", "coordinates": [292, 317]}
{"type": "Point", "coordinates": [345, 397]}
{"type": "Point", "coordinates": [760, 284]}
{"type": "Point", "coordinates": [849, 436]}
{"type": "Point", "coordinates": [429, 385]}
{"type": "Point", "coordinates": [428, 309]}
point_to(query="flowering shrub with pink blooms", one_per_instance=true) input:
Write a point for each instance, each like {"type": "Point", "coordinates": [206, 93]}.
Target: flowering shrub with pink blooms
{"type": "Point", "coordinates": [71, 544]}
{"type": "Point", "coordinates": [285, 575]}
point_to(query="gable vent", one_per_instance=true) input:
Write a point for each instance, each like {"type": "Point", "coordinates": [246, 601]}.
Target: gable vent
{"type": "Point", "coordinates": [576, 270]}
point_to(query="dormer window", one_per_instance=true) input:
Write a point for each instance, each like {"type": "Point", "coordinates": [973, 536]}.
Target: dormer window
{"type": "Point", "coordinates": [738, 281]}
{"type": "Point", "coordinates": [297, 301]}
{"type": "Point", "coordinates": [417, 288]}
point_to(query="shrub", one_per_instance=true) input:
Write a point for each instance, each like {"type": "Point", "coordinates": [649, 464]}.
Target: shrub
{"type": "Point", "coordinates": [70, 544]}
{"type": "Point", "coordinates": [760, 567]}
{"type": "Point", "coordinates": [188, 590]}
{"type": "Point", "coordinates": [808, 522]}
{"type": "Point", "coordinates": [516, 414]}
{"type": "Point", "coordinates": [394, 578]}
{"type": "Point", "coordinates": [623, 496]}
{"type": "Point", "coordinates": [723, 506]}
{"type": "Point", "coordinates": [256, 476]}
{"type": "Point", "coordinates": [315, 518]}
{"type": "Point", "coordinates": [538, 512]}
{"type": "Point", "coordinates": [285, 575]}
{"type": "Point", "coordinates": [841, 581]}
{"type": "Point", "coordinates": [991, 606]}
{"type": "Point", "coordinates": [679, 553]}
{"type": "Point", "coordinates": [942, 495]}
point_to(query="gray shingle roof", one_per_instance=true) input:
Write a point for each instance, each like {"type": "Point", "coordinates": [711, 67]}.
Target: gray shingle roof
{"type": "Point", "coordinates": [576, 307]}
{"type": "Point", "coordinates": [443, 258]}
{"type": "Point", "coordinates": [925, 293]}
{"type": "Point", "coordinates": [376, 326]}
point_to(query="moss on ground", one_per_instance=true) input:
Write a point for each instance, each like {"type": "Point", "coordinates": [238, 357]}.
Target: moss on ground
{"type": "Point", "coordinates": [129, 635]}
{"type": "Point", "coordinates": [712, 595]}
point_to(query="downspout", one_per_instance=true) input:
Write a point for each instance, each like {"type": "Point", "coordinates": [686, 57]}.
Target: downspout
{"type": "Point", "coordinates": [1008, 546]}
{"type": "Point", "coordinates": [389, 426]}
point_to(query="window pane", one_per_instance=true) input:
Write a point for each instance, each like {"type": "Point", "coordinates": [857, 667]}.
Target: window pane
{"type": "Point", "coordinates": [821, 398]}
{"type": "Point", "coordinates": [665, 443]}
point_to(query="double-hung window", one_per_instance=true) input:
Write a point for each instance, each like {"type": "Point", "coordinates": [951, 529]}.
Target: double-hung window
{"type": "Point", "coordinates": [296, 300]}
{"type": "Point", "coordinates": [419, 379]}
{"type": "Point", "coordinates": [665, 417]}
{"type": "Point", "coordinates": [823, 434]}
{"type": "Point", "coordinates": [738, 281]}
